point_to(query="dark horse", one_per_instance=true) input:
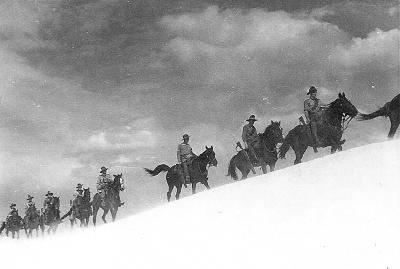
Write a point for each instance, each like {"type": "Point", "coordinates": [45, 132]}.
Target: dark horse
{"type": "Point", "coordinates": [33, 221]}
{"type": "Point", "coordinates": [198, 172]}
{"type": "Point", "coordinates": [111, 200]}
{"type": "Point", "coordinates": [265, 148]}
{"type": "Point", "coordinates": [81, 209]}
{"type": "Point", "coordinates": [52, 215]}
{"type": "Point", "coordinates": [390, 109]}
{"type": "Point", "coordinates": [330, 131]}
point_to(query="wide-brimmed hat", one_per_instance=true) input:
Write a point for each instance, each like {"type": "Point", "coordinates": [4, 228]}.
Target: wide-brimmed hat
{"type": "Point", "coordinates": [252, 118]}
{"type": "Point", "coordinates": [48, 193]}
{"type": "Point", "coordinates": [312, 90]}
{"type": "Point", "coordinates": [79, 185]}
{"type": "Point", "coordinates": [185, 136]}
{"type": "Point", "coordinates": [13, 205]}
{"type": "Point", "coordinates": [29, 197]}
{"type": "Point", "coordinates": [103, 169]}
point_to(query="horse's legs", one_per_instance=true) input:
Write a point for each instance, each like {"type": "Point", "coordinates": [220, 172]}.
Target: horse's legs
{"type": "Point", "coordinates": [205, 183]}
{"type": "Point", "coordinates": [263, 167]}
{"type": "Point", "coordinates": [394, 124]}
{"type": "Point", "coordinates": [170, 188]}
{"type": "Point", "coordinates": [114, 212]}
{"type": "Point", "coordinates": [95, 209]}
{"type": "Point", "coordinates": [272, 166]}
{"type": "Point", "coordinates": [299, 153]}
{"type": "Point", "coordinates": [105, 212]}
{"type": "Point", "coordinates": [193, 187]}
{"type": "Point", "coordinates": [178, 192]}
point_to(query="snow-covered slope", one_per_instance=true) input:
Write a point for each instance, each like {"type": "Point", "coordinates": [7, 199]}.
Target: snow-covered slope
{"type": "Point", "coordinates": [340, 211]}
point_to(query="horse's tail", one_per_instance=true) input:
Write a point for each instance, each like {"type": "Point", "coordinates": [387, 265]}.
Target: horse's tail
{"type": "Point", "coordinates": [286, 144]}
{"type": "Point", "coordinates": [383, 111]}
{"type": "Point", "coordinates": [157, 170]}
{"type": "Point", "coordinates": [232, 169]}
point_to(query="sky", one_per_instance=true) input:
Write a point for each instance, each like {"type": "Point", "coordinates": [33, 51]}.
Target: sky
{"type": "Point", "coordinates": [116, 83]}
{"type": "Point", "coordinates": [311, 215]}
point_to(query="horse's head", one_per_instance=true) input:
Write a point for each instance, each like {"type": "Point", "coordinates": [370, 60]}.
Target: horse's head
{"type": "Point", "coordinates": [119, 182]}
{"type": "Point", "coordinates": [209, 156]}
{"type": "Point", "coordinates": [343, 106]}
{"type": "Point", "coordinates": [274, 132]}
{"type": "Point", "coordinates": [86, 193]}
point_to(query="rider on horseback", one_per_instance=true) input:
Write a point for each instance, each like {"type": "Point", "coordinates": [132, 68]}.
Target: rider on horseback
{"type": "Point", "coordinates": [13, 212]}
{"type": "Point", "coordinates": [313, 112]}
{"type": "Point", "coordinates": [185, 155]}
{"type": "Point", "coordinates": [77, 202]}
{"type": "Point", "coordinates": [49, 204]}
{"type": "Point", "coordinates": [249, 136]}
{"type": "Point", "coordinates": [103, 182]}
{"type": "Point", "coordinates": [30, 206]}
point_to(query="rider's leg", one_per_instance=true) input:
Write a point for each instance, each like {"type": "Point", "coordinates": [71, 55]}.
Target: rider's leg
{"type": "Point", "coordinates": [185, 173]}
{"type": "Point", "coordinates": [314, 133]}
{"type": "Point", "coordinates": [252, 151]}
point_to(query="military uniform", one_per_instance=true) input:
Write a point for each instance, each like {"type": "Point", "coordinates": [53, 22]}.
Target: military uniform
{"type": "Point", "coordinates": [184, 155]}
{"type": "Point", "coordinates": [30, 206]}
{"type": "Point", "coordinates": [103, 180]}
{"type": "Point", "coordinates": [249, 135]}
{"type": "Point", "coordinates": [313, 112]}
{"type": "Point", "coordinates": [13, 213]}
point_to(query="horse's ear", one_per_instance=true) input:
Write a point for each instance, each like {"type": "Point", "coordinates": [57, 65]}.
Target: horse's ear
{"type": "Point", "coordinates": [279, 123]}
{"type": "Point", "coordinates": [211, 147]}
{"type": "Point", "coordinates": [206, 147]}
{"type": "Point", "coordinates": [343, 94]}
{"type": "Point", "coordinates": [340, 95]}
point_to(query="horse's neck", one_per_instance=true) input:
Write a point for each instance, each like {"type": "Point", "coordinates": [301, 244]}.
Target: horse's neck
{"type": "Point", "coordinates": [267, 140]}
{"type": "Point", "coordinates": [333, 116]}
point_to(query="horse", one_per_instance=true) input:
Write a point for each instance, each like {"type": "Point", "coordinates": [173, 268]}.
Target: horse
{"type": "Point", "coordinates": [111, 199]}
{"type": "Point", "coordinates": [32, 221]}
{"type": "Point", "coordinates": [335, 119]}
{"type": "Point", "coordinates": [265, 149]}
{"type": "Point", "coordinates": [198, 172]}
{"type": "Point", "coordinates": [390, 109]}
{"type": "Point", "coordinates": [80, 209]}
{"type": "Point", "coordinates": [13, 224]}
{"type": "Point", "coordinates": [52, 215]}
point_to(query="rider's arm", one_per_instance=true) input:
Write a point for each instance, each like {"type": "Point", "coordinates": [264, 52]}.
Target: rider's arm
{"type": "Point", "coordinates": [307, 108]}
{"type": "Point", "coordinates": [244, 135]}
{"type": "Point", "coordinates": [178, 153]}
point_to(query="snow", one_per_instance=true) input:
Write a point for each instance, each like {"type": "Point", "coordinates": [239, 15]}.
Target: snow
{"type": "Point", "coordinates": [340, 211]}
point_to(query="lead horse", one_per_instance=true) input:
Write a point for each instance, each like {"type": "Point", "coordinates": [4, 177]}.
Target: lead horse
{"type": "Point", "coordinates": [335, 119]}
{"type": "Point", "coordinates": [198, 172]}
{"type": "Point", "coordinates": [111, 199]}
{"type": "Point", "coordinates": [265, 148]}
{"type": "Point", "coordinates": [390, 109]}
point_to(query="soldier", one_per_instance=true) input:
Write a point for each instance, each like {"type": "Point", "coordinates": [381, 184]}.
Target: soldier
{"type": "Point", "coordinates": [30, 205]}
{"type": "Point", "coordinates": [13, 212]}
{"type": "Point", "coordinates": [103, 181]}
{"type": "Point", "coordinates": [48, 201]}
{"type": "Point", "coordinates": [313, 113]}
{"type": "Point", "coordinates": [249, 135]}
{"type": "Point", "coordinates": [184, 155]}
{"type": "Point", "coordinates": [79, 191]}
